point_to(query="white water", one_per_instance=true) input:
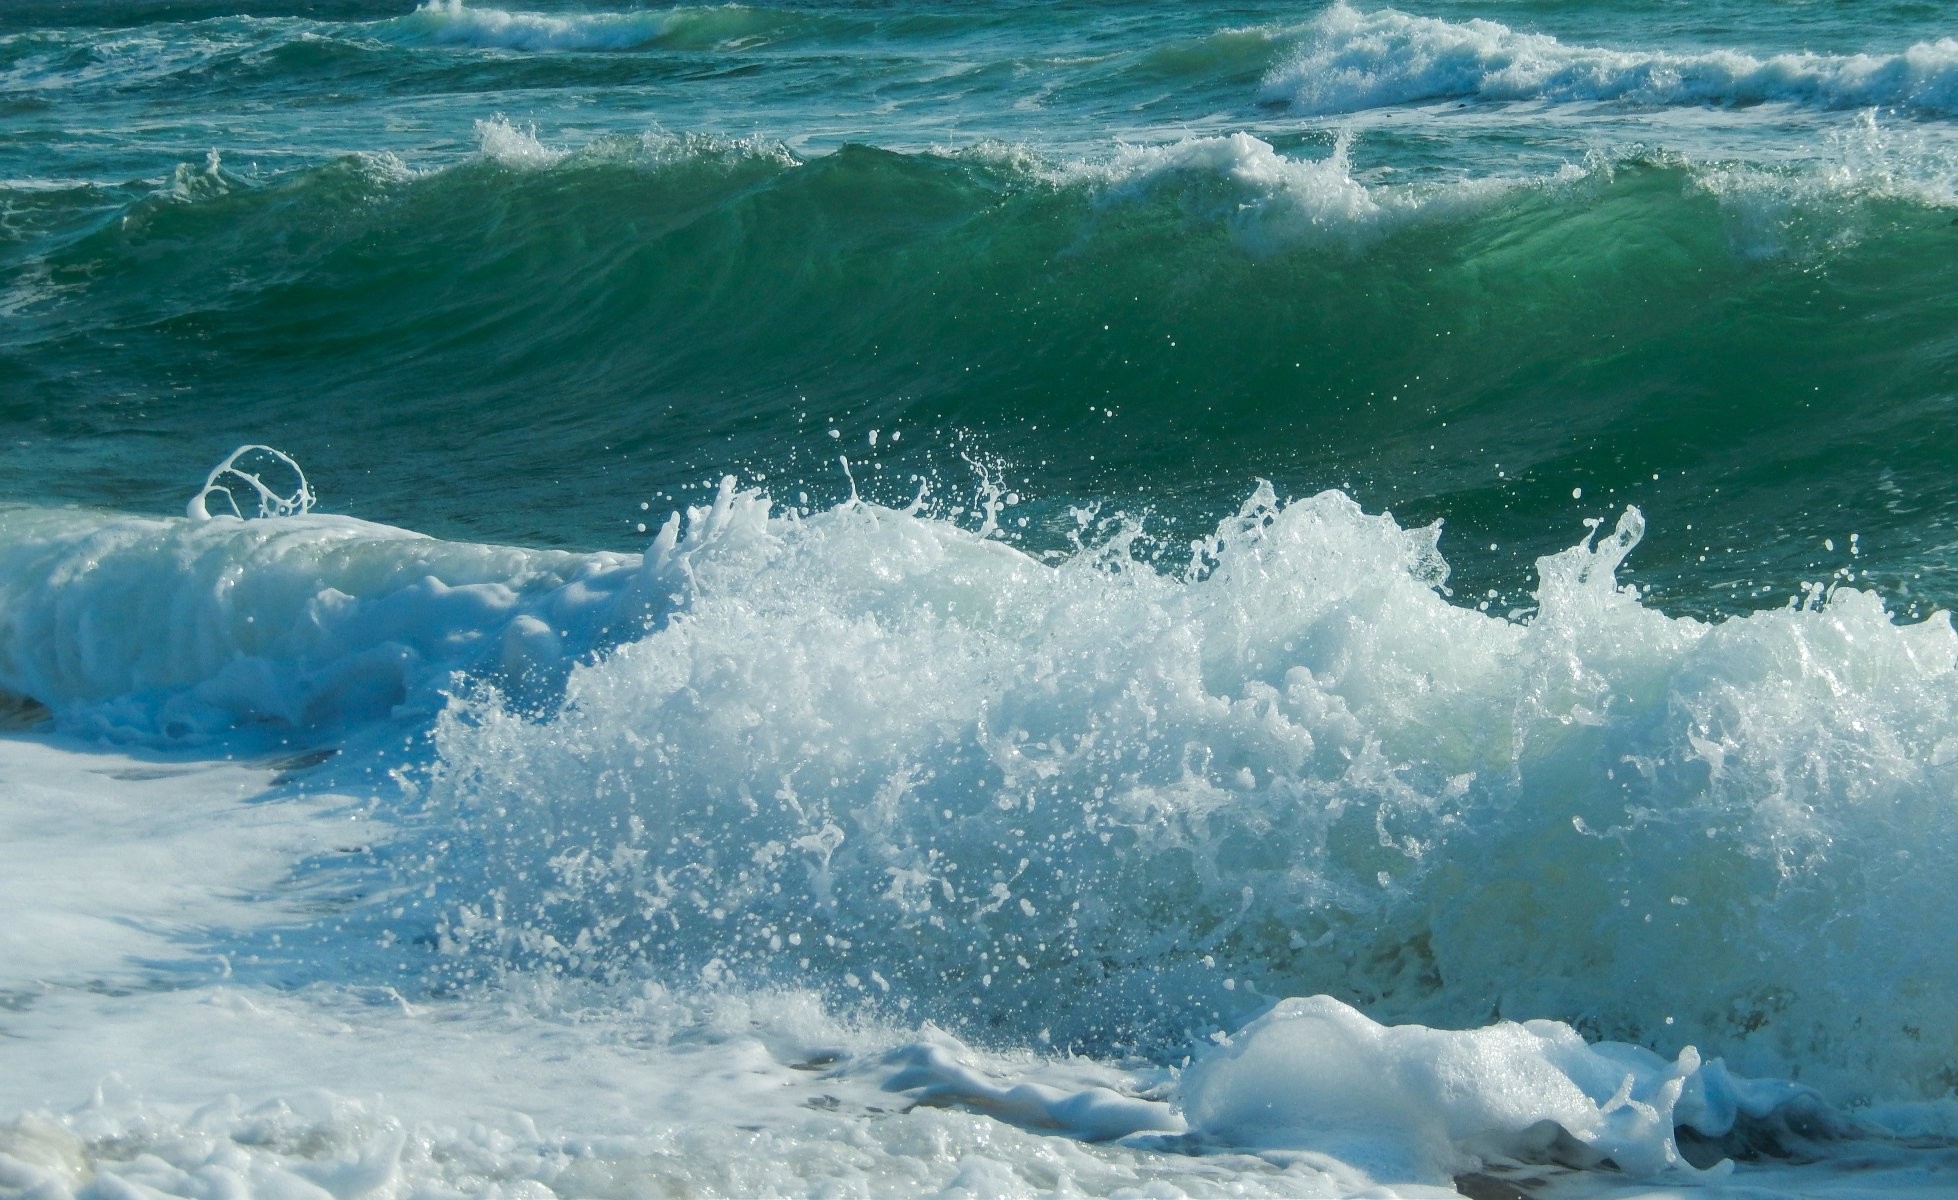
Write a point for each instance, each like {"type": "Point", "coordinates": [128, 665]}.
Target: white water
{"type": "Point", "coordinates": [859, 851]}
{"type": "Point", "coordinates": [1350, 61]}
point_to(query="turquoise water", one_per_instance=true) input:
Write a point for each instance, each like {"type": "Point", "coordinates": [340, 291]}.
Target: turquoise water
{"type": "Point", "coordinates": [1033, 339]}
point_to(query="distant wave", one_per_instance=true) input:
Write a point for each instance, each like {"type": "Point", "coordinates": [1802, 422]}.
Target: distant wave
{"type": "Point", "coordinates": [1352, 60]}
{"type": "Point", "coordinates": [451, 21]}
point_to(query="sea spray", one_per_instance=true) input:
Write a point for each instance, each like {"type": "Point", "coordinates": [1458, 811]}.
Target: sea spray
{"type": "Point", "coordinates": [872, 751]}
{"type": "Point", "coordinates": [180, 630]}
{"type": "Point", "coordinates": [271, 503]}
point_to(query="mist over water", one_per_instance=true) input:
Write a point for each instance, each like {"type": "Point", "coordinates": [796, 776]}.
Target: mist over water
{"type": "Point", "coordinates": [1290, 600]}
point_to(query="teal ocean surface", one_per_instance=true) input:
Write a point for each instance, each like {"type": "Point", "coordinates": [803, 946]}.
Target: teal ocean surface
{"type": "Point", "coordinates": [856, 597]}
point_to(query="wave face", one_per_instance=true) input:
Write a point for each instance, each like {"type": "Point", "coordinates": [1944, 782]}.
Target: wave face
{"type": "Point", "coordinates": [691, 304]}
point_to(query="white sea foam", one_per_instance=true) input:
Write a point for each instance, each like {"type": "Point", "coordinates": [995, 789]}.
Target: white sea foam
{"type": "Point", "coordinates": [499, 141]}
{"type": "Point", "coordinates": [142, 1061]}
{"type": "Point", "coordinates": [187, 855]}
{"type": "Point", "coordinates": [1828, 202]}
{"type": "Point", "coordinates": [1095, 803]}
{"type": "Point", "coordinates": [229, 1091]}
{"type": "Point", "coordinates": [1097, 798]}
{"type": "Point", "coordinates": [1841, 189]}
{"type": "Point", "coordinates": [1352, 60]}
{"type": "Point", "coordinates": [182, 628]}
{"type": "Point", "coordinates": [658, 148]}
{"type": "Point", "coordinates": [822, 744]}
{"type": "Point", "coordinates": [509, 145]}
{"type": "Point", "coordinates": [1409, 1102]}
{"type": "Point", "coordinates": [1295, 192]}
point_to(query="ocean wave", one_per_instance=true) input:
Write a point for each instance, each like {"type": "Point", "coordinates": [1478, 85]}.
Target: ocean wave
{"type": "Point", "coordinates": [873, 745]}
{"type": "Point", "coordinates": [943, 729]}
{"type": "Point", "coordinates": [1353, 60]}
{"type": "Point", "coordinates": [1269, 200]}
{"type": "Point", "coordinates": [657, 286]}
{"type": "Point", "coordinates": [499, 141]}
{"type": "Point", "coordinates": [49, 61]}
{"type": "Point", "coordinates": [880, 751]}
{"type": "Point", "coordinates": [1240, 52]}
{"type": "Point", "coordinates": [298, 623]}
{"type": "Point", "coordinates": [450, 21]}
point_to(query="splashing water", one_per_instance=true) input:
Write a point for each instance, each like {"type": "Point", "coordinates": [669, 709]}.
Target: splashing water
{"type": "Point", "coordinates": [271, 503]}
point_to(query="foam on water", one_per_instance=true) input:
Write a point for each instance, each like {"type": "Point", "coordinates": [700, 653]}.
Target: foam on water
{"type": "Point", "coordinates": [1353, 60]}
{"type": "Point", "coordinates": [1104, 806]}
{"type": "Point", "coordinates": [167, 1071]}
{"type": "Point", "coordinates": [762, 799]}
{"type": "Point", "coordinates": [155, 1067]}
{"type": "Point", "coordinates": [1829, 203]}
{"type": "Point", "coordinates": [188, 855]}
{"type": "Point", "coordinates": [1270, 200]}
{"type": "Point", "coordinates": [870, 749]}
{"type": "Point", "coordinates": [187, 628]}
{"type": "Point", "coordinates": [1409, 1102]}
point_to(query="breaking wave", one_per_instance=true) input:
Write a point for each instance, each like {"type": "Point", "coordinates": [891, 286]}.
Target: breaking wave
{"type": "Point", "coordinates": [1353, 60]}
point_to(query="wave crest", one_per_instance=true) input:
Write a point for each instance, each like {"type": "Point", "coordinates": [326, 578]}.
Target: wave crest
{"type": "Point", "coordinates": [871, 746]}
{"type": "Point", "coordinates": [450, 21]}
{"type": "Point", "coordinates": [1353, 61]}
